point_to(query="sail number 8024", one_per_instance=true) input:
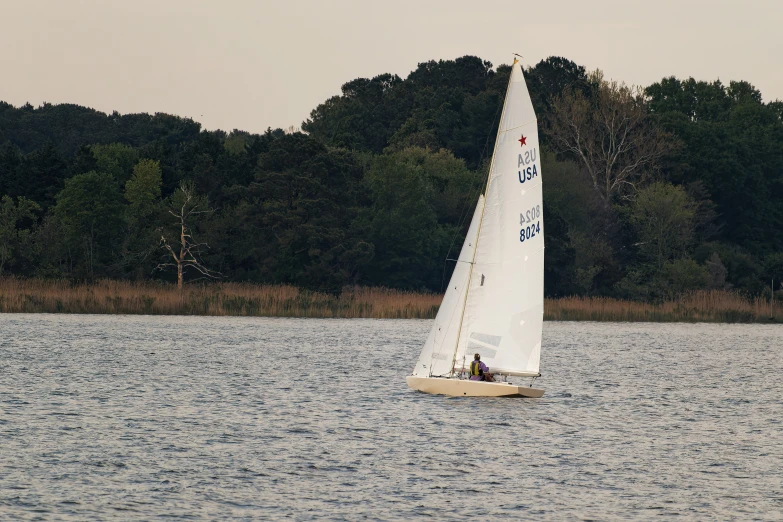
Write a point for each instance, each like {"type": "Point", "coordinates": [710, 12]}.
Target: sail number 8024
{"type": "Point", "coordinates": [529, 232]}
{"type": "Point", "coordinates": [529, 216]}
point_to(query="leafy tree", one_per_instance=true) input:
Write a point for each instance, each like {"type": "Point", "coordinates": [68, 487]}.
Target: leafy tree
{"type": "Point", "coordinates": [382, 187]}
{"type": "Point", "coordinates": [363, 118]}
{"type": "Point", "coordinates": [743, 271]}
{"type": "Point", "coordinates": [550, 78]}
{"type": "Point", "coordinates": [142, 191]}
{"type": "Point", "coordinates": [10, 163]}
{"type": "Point", "coordinates": [70, 127]}
{"type": "Point", "coordinates": [773, 270]}
{"type": "Point", "coordinates": [90, 211]}
{"type": "Point", "coordinates": [236, 142]}
{"type": "Point", "coordinates": [450, 104]}
{"type": "Point", "coordinates": [733, 147]}
{"type": "Point", "coordinates": [41, 175]}
{"type": "Point", "coordinates": [143, 194]}
{"type": "Point", "coordinates": [403, 225]}
{"type": "Point", "coordinates": [663, 216]}
{"type": "Point", "coordinates": [560, 256]}
{"type": "Point", "coordinates": [305, 200]}
{"type": "Point", "coordinates": [588, 233]}
{"type": "Point", "coordinates": [115, 158]}
{"type": "Point", "coordinates": [14, 241]}
{"type": "Point", "coordinates": [453, 186]}
{"type": "Point", "coordinates": [52, 251]}
{"type": "Point", "coordinates": [684, 275]}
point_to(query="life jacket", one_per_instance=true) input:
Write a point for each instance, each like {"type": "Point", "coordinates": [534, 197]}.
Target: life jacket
{"type": "Point", "coordinates": [475, 368]}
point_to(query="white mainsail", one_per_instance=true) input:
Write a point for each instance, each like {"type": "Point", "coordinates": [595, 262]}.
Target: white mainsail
{"type": "Point", "coordinates": [502, 314]}
{"type": "Point", "coordinates": [438, 353]}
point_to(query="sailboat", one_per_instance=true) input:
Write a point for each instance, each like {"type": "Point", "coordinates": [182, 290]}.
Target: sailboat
{"type": "Point", "coordinates": [494, 304]}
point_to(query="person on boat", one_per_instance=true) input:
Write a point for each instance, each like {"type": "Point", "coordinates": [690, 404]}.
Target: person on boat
{"type": "Point", "coordinates": [479, 371]}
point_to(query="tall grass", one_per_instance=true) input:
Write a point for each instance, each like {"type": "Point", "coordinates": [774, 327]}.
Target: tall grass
{"type": "Point", "coordinates": [120, 297]}
{"type": "Point", "coordinates": [704, 306]}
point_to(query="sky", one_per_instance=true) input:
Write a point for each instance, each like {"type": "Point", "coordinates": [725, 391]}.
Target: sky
{"type": "Point", "coordinates": [254, 64]}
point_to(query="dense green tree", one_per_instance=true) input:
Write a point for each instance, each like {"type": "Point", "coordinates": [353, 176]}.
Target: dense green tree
{"type": "Point", "coordinates": [742, 270]}
{"type": "Point", "coordinates": [11, 159]}
{"type": "Point", "coordinates": [41, 175]}
{"type": "Point", "coordinates": [362, 118]}
{"type": "Point", "coordinates": [115, 158]}
{"type": "Point", "coordinates": [71, 126]}
{"type": "Point", "coordinates": [550, 78]}
{"type": "Point", "coordinates": [588, 231]}
{"type": "Point", "coordinates": [51, 249]}
{"type": "Point", "coordinates": [15, 242]}
{"type": "Point", "coordinates": [773, 267]}
{"type": "Point", "coordinates": [450, 104]}
{"type": "Point", "coordinates": [560, 257]}
{"type": "Point", "coordinates": [663, 216]}
{"type": "Point", "coordinates": [452, 186]}
{"type": "Point", "coordinates": [294, 222]}
{"type": "Point", "coordinates": [142, 217]}
{"type": "Point", "coordinates": [142, 191]}
{"type": "Point", "coordinates": [237, 142]}
{"type": "Point", "coordinates": [684, 275]}
{"type": "Point", "coordinates": [90, 211]}
{"type": "Point", "coordinates": [733, 146]}
{"type": "Point", "coordinates": [403, 226]}
{"type": "Point", "coordinates": [382, 188]}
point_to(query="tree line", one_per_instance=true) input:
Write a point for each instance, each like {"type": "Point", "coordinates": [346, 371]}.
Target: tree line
{"type": "Point", "coordinates": [648, 192]}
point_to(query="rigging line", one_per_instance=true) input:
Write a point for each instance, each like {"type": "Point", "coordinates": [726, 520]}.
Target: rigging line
{"type": "Point", "coordinates": [447, 325]}
{"type": "Point", "coordinates": [464, 213]}
{"type": "Point", "coordinates": [472, 194]}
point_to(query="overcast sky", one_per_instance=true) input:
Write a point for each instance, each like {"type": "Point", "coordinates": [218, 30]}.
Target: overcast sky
{"type": "Point", "coordinates": [253, 64]}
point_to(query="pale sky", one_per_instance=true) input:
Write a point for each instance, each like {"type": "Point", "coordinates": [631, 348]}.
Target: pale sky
{"type": "Point", "coordinates": [253, 64]}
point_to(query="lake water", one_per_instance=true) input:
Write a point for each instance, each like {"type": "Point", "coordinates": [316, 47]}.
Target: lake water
{"type": "Point", "coordinates": [132, 417]}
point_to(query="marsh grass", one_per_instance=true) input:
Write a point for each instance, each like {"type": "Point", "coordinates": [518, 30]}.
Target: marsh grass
{"type": "Point", "coordinates": [120, 297]}
{"type": "Point", "coordinates": [704, 306]}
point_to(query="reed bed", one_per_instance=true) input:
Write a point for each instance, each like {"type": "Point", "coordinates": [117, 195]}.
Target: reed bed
{"type": "Point", "coordinates": [704, 306]}
{"type": "Point", "coordinates": [121, 297]}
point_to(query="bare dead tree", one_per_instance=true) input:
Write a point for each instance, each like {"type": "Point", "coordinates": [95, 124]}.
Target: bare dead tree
{"type": "Point", "coordinates": [610, 134]}
{"type": "Point", "coordinates": [186, 252]}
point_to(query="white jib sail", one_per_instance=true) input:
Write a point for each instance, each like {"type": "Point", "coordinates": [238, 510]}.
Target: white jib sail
{"type": "Point", "coordinates": [505, 302]}
{"type": "Point", "coordinates": [438, 352]}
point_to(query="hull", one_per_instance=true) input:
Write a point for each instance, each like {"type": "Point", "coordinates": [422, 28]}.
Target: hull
{"type": "Point", "coordinates": [468, 388]}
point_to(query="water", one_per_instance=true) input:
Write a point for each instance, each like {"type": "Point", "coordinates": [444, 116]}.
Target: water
{"type": "Point", "coordinates": [128, 417]}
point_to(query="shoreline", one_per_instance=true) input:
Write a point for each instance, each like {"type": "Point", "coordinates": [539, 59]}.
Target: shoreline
{"type": "Point", "coordinates": [109, 297]}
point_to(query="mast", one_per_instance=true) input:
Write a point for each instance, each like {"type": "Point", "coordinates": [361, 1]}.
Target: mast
{"type": "Point", "coordinates": [481, 220]}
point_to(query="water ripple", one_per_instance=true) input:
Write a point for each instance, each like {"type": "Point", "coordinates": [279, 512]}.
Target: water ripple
{"type": "Point", "coordinates": [118, 417]}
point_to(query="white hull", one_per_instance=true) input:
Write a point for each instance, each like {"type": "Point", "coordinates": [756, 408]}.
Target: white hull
{"type": "Point", "coordinates": [468, 388]}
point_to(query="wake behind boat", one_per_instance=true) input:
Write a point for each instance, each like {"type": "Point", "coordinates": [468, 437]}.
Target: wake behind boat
{"type": "Point", "coordinates": [494, 304]}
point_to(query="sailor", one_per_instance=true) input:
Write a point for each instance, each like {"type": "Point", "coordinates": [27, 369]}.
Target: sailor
{"type": "Point", "coordinates": [479, 371]}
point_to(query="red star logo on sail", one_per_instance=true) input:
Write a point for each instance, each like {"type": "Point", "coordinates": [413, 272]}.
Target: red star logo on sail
{"type": "Point", "coordinates": [522, 141]}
